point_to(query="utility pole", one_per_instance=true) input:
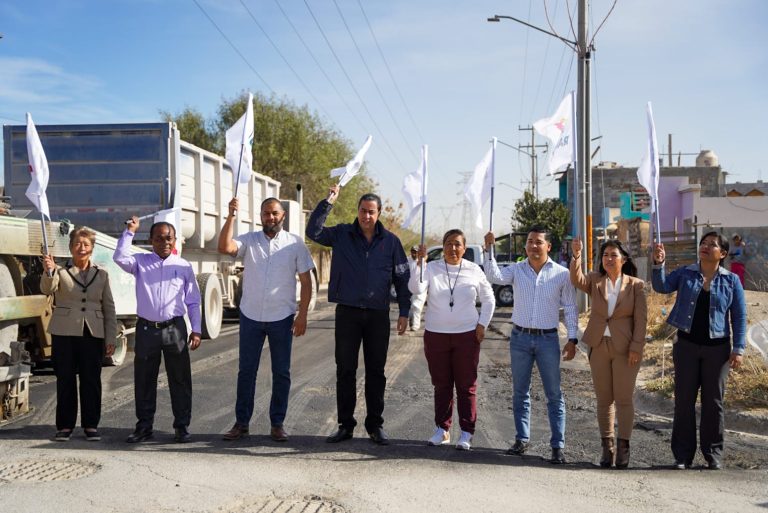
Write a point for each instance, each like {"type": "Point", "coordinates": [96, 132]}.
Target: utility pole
{"type": "Point", "coordinates": [583, 138]}
{"type": "Point", "coordinates": [534, 159]}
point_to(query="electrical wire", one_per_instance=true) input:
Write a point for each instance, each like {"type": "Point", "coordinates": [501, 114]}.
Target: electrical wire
{"type": "Point", "coordinates": [525, 65]}
{"type": "Point", "coordinates": [594, 34]}
{"type": "Point", "coordinates": [321, 68]}
{"type": "Point", "coordinates": [373, 80]}
{"type": "Point", "coordinates": [287, 63]}
{"type": "Point", "coordinates": [247, 62]}
{"type": "Point", "coordinates": [352, 85]}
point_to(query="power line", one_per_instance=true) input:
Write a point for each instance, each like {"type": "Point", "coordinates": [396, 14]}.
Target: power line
{"type": "Point", "coordinates": [543, 67]}
{"type": "Point", "coordinates": [296, 74]}
{"type": "Point", "coordinates": [320, 67]}
{"type": "Point", "coordinates": [352, 85]}
{"type": "Point", "coordinates": [525, 63]}
{"type": "Point", "coordinates": [391, 75]}
{"type": "Point", "coordinates": [247, 62]}
{"type": "Point", "coordinates": [375, 83]}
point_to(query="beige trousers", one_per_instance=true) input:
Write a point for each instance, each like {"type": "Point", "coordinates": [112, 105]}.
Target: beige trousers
{"type": "Point", "coordinates": [614, 382]}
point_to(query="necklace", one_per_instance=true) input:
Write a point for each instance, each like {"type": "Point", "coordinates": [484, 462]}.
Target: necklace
{"type": "Point", "coordinates": [451, 289]}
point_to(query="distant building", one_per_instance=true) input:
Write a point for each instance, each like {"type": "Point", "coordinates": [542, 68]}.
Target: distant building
{"type": "Point", "coordinates": [734, 190]}
{"type": "Point", "coordinates": [615, 187]}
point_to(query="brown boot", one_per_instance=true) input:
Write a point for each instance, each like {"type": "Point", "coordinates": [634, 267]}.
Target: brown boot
{"type": "Point", "coordinates": [609, 453]}
{"type": "Point", "coordinates": [622, 453]}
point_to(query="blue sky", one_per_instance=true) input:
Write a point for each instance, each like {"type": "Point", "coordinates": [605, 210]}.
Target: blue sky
{"type": "Point", "coordinates": [702, 64]}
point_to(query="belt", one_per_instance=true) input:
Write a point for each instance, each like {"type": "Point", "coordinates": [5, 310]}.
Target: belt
{"type": "Point", "coordinates": [535, 331]}
{"type": "Point", "coordinates": [158, 325]}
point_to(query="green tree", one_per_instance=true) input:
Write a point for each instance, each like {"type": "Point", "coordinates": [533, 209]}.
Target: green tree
{"type": "Point", "coordinates": [549, 212]}
{"type": "Point", "coordinates": [291, 144]}
{"type": "Point", "coordinates": [193, 127]}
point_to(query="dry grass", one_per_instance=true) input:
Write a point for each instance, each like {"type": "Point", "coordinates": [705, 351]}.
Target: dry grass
{"type": "Point", "coordinates": [747, 388]}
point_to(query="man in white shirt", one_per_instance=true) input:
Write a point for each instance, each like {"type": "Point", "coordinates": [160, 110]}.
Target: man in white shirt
{"type": "Point", "coordinates": [272, 258]}
{"type": "Point", "coordinates": [417, 300]}
{"type": "Point", "coordinates": [540, 288]}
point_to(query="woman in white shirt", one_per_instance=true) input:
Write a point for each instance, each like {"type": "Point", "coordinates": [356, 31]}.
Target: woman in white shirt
{"type": "Point", "coordinates": [615, 335]}
{"type": "Point", "coordinates": [453, 333]}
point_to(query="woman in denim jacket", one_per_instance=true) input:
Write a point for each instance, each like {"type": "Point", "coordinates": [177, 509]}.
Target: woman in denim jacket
{"type": "Point", "coordinates": [709, 305]}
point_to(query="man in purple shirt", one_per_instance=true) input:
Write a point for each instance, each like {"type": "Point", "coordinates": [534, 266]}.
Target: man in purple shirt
{"type": "Point", "coordinates": [166, 289]}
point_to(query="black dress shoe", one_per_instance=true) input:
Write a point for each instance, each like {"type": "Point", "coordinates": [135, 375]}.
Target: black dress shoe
{"type": "Point", "coordinates": [714, 465]}
{"type": "Point", "coordinates": [339, 436]}
{"type": "Point", "coordinates": [379, 436]}
{"type": "Point", "coordinates": [557, 456]}
{"type": "Point", "coordinates": [182, 436]}
{"type": "Point", "coordinates": [140, 435]}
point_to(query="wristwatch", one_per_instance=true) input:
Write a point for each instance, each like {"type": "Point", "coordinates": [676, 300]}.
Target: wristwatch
{"type": "Point", "coordinates": [574, 341]}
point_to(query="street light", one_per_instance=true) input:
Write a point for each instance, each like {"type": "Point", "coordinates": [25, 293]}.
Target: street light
{"type": "Point", "coordinates": [498, 17]}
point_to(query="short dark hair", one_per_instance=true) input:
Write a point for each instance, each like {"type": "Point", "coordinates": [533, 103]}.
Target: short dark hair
{"type": "Point", "coordinates": [369, 196]}
{"type": "Point", "coordinates": [270, 200]}
{"type": "Point", "coordinates": [628, 267]}
{"type": "Point", "coordinates": [537, 228]}
{"type": "Point", "coordinates": [161, 223]}
{"type": "Point", "coordinates": [725, 246]}
{"type": "Point", "coordinates": [455, 231]}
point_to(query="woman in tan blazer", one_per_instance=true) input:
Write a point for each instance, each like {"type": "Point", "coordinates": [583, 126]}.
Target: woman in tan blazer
{"type": "Point", "coordinates": [84, 327]}
{"type": "Point", "coordinates": [615, 335]}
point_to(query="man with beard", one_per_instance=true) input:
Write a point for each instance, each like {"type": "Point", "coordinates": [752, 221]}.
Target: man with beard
{"type": "Point", "coordinates": [166, 289]}
{"type": "Point", "coordinates": [366, 260]}
{"type": "Point", "coordinates": [541, 288]}
{"type": "Point", "coordinates": [272, 258]}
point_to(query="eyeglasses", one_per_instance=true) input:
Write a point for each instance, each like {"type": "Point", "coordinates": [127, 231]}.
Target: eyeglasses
{"type": "Point", "coordinates": [713, 245]}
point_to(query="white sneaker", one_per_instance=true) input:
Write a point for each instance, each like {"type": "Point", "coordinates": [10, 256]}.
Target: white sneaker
{"type": "Point", "coordinates": [441, 437]}
{"type": "Point", "coordinates": [465, 441]}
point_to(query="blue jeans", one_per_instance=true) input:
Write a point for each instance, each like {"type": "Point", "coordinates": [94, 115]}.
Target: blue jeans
{"type": "Point", "coordinates": [524, 350]}
{"type": "Point", "coordinates": [252, 335]}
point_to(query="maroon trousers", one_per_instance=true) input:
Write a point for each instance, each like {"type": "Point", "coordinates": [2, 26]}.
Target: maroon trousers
{"type": "Point", "coordinates": [452, 359]}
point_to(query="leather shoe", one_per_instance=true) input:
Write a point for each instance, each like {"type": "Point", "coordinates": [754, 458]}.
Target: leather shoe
{"type": "Point", "coordinates": [714, 465]}
{"type": "Point", "coordinates": [182, 436]}
{"type": "Point", "coordinates": [339, 436]}
{"type": "Point", "coordinates": [140, 435]}
{"type": "Point", "coordinates": [379, 436]}
{"type": "Point", "coordinates": [237, 432]}
{"type": "Point", "coordinates": [278, 434]}
{"type": "Point", "coordinates": [518, 449]}
{"type": "Point", "coordinates": [557, 456]}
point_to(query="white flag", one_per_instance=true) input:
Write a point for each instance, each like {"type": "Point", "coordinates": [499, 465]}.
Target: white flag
{"type": "Point", "coordinates": [171, 216]}
{"type": "Point", "coordinates": [239, 140]}
{"type": "Point", "coordinates": [478, 189]}
{"type": "Point", "coordinates": [648, 171]}
{"type": "Point", "coordinates": [38, 170]}
{"type": "Point", "coordinates": [353, 166]}
{"type": "Point", "coordinates": [415, 189]}
{"type": "Point", "coordinates": [559, 130]}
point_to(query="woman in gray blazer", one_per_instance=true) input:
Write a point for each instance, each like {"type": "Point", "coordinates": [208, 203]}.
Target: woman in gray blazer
{"type": "Point", "coordinates": [83, 328]}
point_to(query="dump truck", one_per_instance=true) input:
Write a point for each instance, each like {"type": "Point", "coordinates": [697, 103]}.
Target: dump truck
{"type": "Point", "coordinates": [100, 176]}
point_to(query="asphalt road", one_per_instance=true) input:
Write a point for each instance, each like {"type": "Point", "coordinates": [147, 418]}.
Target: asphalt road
{"type": "Point", "coordinates": [307, 474]}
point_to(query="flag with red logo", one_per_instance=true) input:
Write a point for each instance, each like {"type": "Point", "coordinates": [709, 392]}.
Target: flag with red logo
{"type": "Point", "coordinates": [559, 130]}
{"type": "Point", "coordinates": [38, 170]}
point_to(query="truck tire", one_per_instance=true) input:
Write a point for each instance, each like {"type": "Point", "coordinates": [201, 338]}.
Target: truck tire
{"type": "Point", "coordinates": [9, 330]}
{"type": "Point", "coordinates": [212, 306]}
{"type": "Point", "coordinates": [505, 296]}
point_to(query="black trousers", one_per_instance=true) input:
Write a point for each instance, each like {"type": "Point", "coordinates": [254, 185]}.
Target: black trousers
{"type": "Point", "coordinates": [171, 343]}
{"type": "Point", "coordinates": [371, 327]}
{"type": "Point", "coordinates": [73, 356]}
{"type": "Point", "coordinates": [706, 368]}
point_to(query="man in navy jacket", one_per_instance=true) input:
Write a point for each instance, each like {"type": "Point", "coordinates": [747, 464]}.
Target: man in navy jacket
{"type": "Point", "coordinates": [366, 260]}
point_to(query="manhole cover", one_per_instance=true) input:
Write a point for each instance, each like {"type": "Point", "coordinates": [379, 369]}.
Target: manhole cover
{"type": "Point", "coordinates": [61, 470]}
{"type": "Point", "coordinates": [310, 505]}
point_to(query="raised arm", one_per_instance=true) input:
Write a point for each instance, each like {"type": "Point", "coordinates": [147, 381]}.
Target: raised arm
{"type": "Point", "coordinates": [227, 244]}
{"type": "Point", "coordinates": [123, 257]}
{"type": "Point", "coordinates": [316, 229]}
{"type": "Point", "coordinates": [49, 281]}
{"type": "Point", "coordinates": [418, 282]}
{"type": "Point", "coordinates": [662, 283]}
{"type": "Point", "coordinates": [578, 279]}
{"type": "Point", "coordinates": [492, 271]}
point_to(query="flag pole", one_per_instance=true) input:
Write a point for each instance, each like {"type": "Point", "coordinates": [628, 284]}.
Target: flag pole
{"type": "Point", "coordinates": [424, 156]}
{"type": "Point", "coordinates": [493, 186]}
{"type": "Point", "coordinates": [45, 239]}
